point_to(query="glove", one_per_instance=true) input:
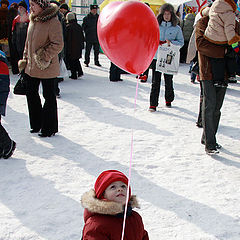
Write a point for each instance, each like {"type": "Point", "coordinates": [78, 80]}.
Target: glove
{"type": "Point", "coordinates": [235, 47]}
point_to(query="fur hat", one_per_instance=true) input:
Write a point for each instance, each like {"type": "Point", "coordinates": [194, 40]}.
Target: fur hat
{"type": "Point", "coordinates": [42, 3]}
{"type": "Point", "coordinates": [5, 1]}
{"type": "Point", "coordinates": [64, 6]}
{"type": "Point", "coordinates": [23, 4]}
{"type": "Point", "coordinates": [93, 6]}
{"type": "Point", "coordinates": [55, 2]}
{"type": "Point", "coordinates": [106, 178]}
{"type": "Point", "coordinates": [70, 16]}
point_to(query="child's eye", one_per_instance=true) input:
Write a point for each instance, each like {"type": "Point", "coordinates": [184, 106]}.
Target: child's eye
{"type": "Point", "coordinates": [124, 186]}
{"type": "Point", "coordinates": [112, 187]}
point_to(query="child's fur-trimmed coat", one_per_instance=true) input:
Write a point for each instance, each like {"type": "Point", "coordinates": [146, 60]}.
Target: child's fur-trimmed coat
{"type": "Point", "coordinates": [103, 222]}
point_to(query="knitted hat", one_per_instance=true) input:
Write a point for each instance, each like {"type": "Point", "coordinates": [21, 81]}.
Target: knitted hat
{"type": "Point", "coordinates": [42, 3]}
{"type": "Point", "coordinates": [70, 16]}
{"type": "Point", "coordinates": [93, 6]}
{"type": "Point", "coordinates": [23, 4]}
{"type": "Point", "coordinates": [64, 6]}
{"type": "Point", "coordinates": [5, 1]}
{"type": "Point", "coordinates": [106, 178]}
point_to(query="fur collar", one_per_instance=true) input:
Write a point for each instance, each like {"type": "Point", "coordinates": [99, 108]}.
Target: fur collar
{"type": "Point", "coordinates": [232, 4]}
{"type": "Point", "coordinates": [46, 14]}
{"type": "Point", "coordinates": [94, 205]}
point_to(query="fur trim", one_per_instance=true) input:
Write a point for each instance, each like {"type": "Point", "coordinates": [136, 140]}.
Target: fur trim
{"type": "Point", "coordinates": [95, 205]}
{"type": "Point", "coordinates": [232, 4]}
{"type": "Point", "coordinates": [38, 57]}
{"type": "Point", "coordinates": [22, 64]}
{"type": "Point", "coordinates": [236, 38]}
{"type": "Point", "coordinates": [46, 14]}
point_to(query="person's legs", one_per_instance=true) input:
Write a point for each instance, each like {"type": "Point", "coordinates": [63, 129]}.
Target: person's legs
{"type": "Point", "coordinates": [49, 112]}
{"type": "Point", "coordinates": [96, 47]}
{"type": "Point", "coordinates": [34, 102]}
{"type": "Point", "coordinates": [169, 92]}
{"type": "Point", "coordinates": [73, 68]}
{"type": "Point", "coordinates": [7, 146]}
{"type": "Point", "coordinates": [79, 68]}
{"type": "Point", "coordinates": [114, 73]}
{"type": "Point", "coordinates": [155, 89]}
{"type": "Point", "coordinates": [87, 52]}
{"type": "Point", "coordinates": [208, 114]}
{"type": "Point", "coordinates": [199, 121]}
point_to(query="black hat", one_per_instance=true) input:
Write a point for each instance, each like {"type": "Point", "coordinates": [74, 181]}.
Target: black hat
{"type": "Point", "coordinates": [64, 6]}
{"type": "Point", "coordinates": [93, 6]}
{"type": "Point", "coordinates": [23, 4]}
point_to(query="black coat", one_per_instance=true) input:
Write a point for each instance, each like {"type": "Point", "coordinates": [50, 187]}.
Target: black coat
{"type": "Point", "coordinates": [90, 27]}
{"type": "Point", "coordinates": [74, 40]}
{"type": "Point", "coordinates": [3, 23]}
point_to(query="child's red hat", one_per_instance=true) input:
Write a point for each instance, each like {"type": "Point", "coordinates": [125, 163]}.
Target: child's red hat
{"type": "Point", "coordinates": [106, 178]}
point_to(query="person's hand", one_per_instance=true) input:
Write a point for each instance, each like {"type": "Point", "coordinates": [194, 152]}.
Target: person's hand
{"type": "Point", "coordinates": [235, 47]}
{"type": "Point", "coordinates": [168, 42]}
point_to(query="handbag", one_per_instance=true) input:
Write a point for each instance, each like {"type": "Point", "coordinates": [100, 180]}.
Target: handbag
{"type": "Point", "coordinates": [168, 59]}
{"type": "Point", "coordinates": [63, 69]}
{"type": "Point", "coordinates": [20, 87]}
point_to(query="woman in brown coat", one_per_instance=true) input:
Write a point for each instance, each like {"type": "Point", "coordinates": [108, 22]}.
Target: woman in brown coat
{"type": "Point", "coordinates": [40, 61]}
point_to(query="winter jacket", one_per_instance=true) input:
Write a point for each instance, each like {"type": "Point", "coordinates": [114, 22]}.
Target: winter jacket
{"type": "Point", "coordinates": [19, 34]}
{"type": "Point", "coordinates": [74, 40]}
{"type": "Point", "coordinates": [44, 42]}
{"type": "Point", "coordinates": [206, 50]}
{"type": "Point", "coordinates": [90, 27]}
{"type": "Point", "coordinates": [221, 26]}
{"type": "Point", "coordinates": [171, 33]}
{"type": "Point", "coordinates": [187, 27]}
{"type": "Point", "coordinates": [104, 220]}
{"type": "Point", "coordinates": [4, 83]}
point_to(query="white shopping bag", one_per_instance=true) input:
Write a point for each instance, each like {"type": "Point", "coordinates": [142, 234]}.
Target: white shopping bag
{"type": "Point", "coordinates": [63, 69]}
{"type": "Point", "coordinates": [168, 59]}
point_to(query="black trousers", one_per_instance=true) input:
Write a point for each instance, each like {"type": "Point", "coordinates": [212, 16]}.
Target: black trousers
{"type": "Point", "coordinates": [42, 117]}
{"type": "Point", "coordinates": [114, 73]}
{"type": "Point", "coordinates": [155, 90]}
{"type": "Point", "coordinates": [96, 47]}
{"type": "Point", "coordinates": [199, 120]}
{"type": "Point", "coordinates": [5, 140]}
{"type": "Point", "coordinates": [75, 67]}
{"type": "Point", "coordinates": [153, 67]}
{"type": "Point", "coordinates": [212, 102]}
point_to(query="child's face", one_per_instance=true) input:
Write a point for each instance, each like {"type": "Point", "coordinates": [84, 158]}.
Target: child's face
{"type": "Point", "coordinates": [117, 192]}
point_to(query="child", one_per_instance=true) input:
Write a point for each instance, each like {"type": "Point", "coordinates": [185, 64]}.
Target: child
{"type": "Point", "coordinates": [104, 210]}
{"type": "Point", "coordinates": [221, 30]}
{"type": "Point", "coordinates": [7, 146]}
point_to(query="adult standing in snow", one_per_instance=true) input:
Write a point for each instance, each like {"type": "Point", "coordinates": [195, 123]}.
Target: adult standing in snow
{"type": "Point", "coordinates": [19, 29]}
{"type": "Point", "coordinates": [170, 33]}
{"type": "Point", "coordinates": [74, 45]}
{"type": "Point", "coordinates": [90, 29]}
{"type": "Point", "coordinates": [40, 60]}
{"type": "Point", "coordinates": [213, 96]}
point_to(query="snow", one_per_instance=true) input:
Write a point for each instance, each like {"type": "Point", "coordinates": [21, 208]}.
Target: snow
{"type": "Point", "coordinates": [184, 193]}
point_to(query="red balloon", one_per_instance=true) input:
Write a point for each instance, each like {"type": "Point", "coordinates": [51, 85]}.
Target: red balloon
{"type": "Point", "coordinates": [128, 33]}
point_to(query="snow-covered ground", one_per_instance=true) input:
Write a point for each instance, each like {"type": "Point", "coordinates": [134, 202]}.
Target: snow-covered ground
{"type": "Point", "coordinates": [184, 193]}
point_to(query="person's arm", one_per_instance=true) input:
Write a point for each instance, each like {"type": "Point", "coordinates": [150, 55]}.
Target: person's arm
{"type": "Point", "coordinates": [179, 40]}
{"type": "Point", "coordinates": [94, 231]}
{"type": "Point", "coordinates": [45, 54]}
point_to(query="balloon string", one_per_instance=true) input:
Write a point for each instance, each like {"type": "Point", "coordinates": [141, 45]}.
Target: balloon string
{"type": "Point", "coordinates": [130, 168]}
